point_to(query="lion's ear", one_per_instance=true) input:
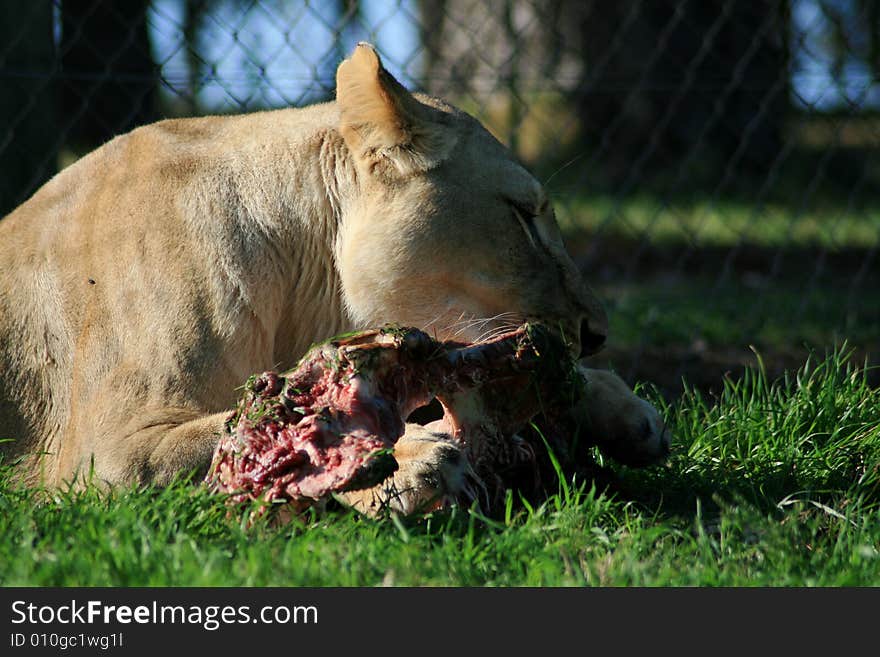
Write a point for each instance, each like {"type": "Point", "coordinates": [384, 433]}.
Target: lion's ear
{"type": "Point", "coordinates": [382, 123]}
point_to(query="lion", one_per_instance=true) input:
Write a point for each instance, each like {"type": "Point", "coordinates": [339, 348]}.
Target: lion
{"type": "Point", "coordinates": [144, 283]}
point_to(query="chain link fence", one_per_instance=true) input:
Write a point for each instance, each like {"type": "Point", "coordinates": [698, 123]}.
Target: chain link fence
{"type": "Point", "coordinates": [715, 165]}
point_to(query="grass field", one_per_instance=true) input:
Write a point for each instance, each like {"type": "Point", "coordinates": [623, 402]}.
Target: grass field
{"type": "Point", "coordinates": [704, 221]}
{"type": "Point", "coordinates": [772, 483]}
{"type": "Point", "coordinates": [773, 480]}
{"type": "Point", "coordinates": [693, 283]}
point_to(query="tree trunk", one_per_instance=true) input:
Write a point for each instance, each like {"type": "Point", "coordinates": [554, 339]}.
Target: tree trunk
{"type": "Point", "coordinates": [684, 77]}
{"type": "Point", "coordinates": [109, 77]}
{"type": "Point", "coordinates": [655, 82]}
{"type": "Point", "coordinates": [28, 130]}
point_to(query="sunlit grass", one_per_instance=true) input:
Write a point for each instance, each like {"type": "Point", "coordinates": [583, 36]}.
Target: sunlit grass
{"type": "Point", "coordinates": [772, 483]}
{"type": "Point", "coordinates": [712, 222]}
{"type": "Point", "coordinates": [782, 313]}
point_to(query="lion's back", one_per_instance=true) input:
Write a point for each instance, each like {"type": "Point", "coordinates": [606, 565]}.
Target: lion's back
{"type": "Point", "coordinates": [55, 245]}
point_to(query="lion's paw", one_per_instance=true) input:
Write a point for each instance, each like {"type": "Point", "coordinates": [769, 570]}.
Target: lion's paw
{"type": "Point", "coordinates": [433, 472]}
{"type": "Point", "coordinates": [624, 426]}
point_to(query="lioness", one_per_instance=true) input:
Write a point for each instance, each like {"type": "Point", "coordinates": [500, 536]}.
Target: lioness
{"type": "Point", "coordinates": [142, 285]}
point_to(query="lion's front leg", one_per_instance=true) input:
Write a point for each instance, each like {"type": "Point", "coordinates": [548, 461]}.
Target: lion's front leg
{"type": "Point", "coordinates": [151, 449]}
{"type": "Point", "coordinates": [431, 469]}
{"type": "Point", "coordinates": [624, 426]}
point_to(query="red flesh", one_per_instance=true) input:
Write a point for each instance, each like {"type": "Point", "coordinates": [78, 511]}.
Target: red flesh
{"type": "Point", "coordinates": [326, 426]}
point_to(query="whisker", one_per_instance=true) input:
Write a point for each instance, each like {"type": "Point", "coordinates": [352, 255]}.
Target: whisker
{"type": "Point", "coordinates": [500, 329]}
{"type": "Point", "coordinates": [485, 326]}
{"type": "Point", "coordinates": [430, 323]}
{"type": "Point", "coordinates": [478, 320]}
{"type": "Point", "coordinates": [564, 167]}
{"type": "Point", "coordinates": [491, 335]}
{"type": "Point", "coordinates": [473, 323]}
{"type": "Point", "coordinates": [461, 330]}
{"type": "Point", "coordinates": [461, 322]}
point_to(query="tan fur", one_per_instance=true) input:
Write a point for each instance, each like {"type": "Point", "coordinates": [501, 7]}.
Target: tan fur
{"type": "Point", "coordinates": [142, 285]}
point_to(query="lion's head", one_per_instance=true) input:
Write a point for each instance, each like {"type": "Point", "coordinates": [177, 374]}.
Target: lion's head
{"type": "Point", "coordinates": [449, 232]}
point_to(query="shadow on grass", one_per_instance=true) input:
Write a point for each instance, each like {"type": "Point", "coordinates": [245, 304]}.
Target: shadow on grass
{"type": "Point", "coordinates": [696, 316]}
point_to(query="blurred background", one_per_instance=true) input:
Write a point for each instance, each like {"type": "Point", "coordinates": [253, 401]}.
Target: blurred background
{"type": "Point", "coordinates": [715, 165]}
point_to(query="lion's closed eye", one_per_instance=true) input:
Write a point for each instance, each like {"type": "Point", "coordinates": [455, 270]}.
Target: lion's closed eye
{"type": "Point", "coordinates": [526, 219]}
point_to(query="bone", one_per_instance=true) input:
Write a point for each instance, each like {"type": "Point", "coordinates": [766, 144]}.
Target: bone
{"type": "Point", "coordinates": [330, 424]}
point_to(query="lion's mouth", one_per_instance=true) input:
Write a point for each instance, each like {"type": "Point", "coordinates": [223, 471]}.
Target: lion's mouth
{"type": "Point", "coordinates": [330, 424]}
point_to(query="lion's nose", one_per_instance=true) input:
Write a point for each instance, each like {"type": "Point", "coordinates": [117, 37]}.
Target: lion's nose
{"type": "Point", "coordinates": [591, 341]}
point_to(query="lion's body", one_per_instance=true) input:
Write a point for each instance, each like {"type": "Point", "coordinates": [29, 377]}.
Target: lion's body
{"type": "Point", "coordinates": [154, 274]}
{"type": "Point", "coordinates": [143, 284]}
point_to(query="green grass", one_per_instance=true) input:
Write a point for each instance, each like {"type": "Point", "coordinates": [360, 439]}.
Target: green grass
{"type": "Point", "coordinates": [701, 279]}
{"type": "Point", "coordinates": [682, 309]}
{"type": "Point", "coordinates": [772, 483]}
{"type": "Point", "coordinates": [712, 222]}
